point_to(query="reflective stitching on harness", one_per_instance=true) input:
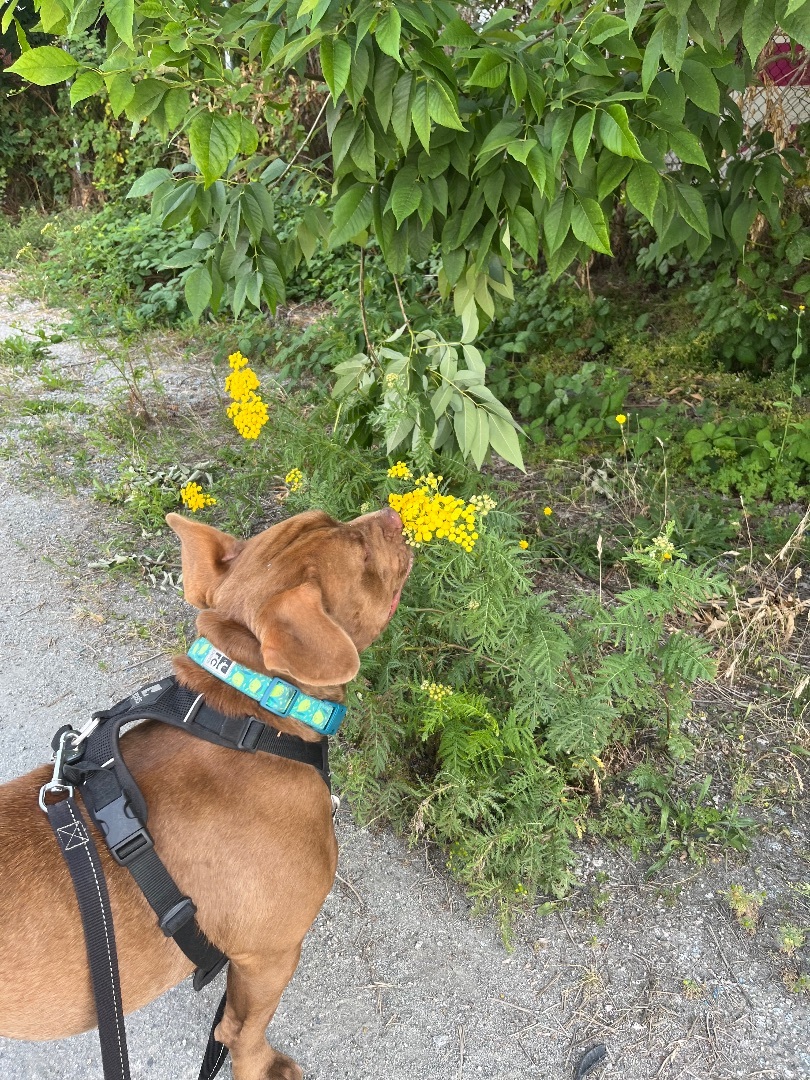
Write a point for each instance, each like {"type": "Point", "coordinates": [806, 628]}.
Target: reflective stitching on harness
{"type": "Point", "coordinates": [117, 1008]}
{"type": "Point", "coordinates": [74, 835]}
{"type": "Point", "coordinates": [223, 1052]}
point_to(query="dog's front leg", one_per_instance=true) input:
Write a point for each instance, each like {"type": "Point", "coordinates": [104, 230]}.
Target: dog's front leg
{"type": "Point", "coordinates": [255, 987]}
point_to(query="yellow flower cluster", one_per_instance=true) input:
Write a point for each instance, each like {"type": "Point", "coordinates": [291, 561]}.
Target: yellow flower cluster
{"type": "Point", "coordinates": [195, 498]}
{"type": "Point", "coordinates": [400, 471]}
{"type": "Point", "coordinates": [248, 411]}
{"type": "Point", "coordinates": [294, 479]}
{"type": "Point", "coordinates": [426, 513]}
{"type": "Point", "coordinates": [436, 691]}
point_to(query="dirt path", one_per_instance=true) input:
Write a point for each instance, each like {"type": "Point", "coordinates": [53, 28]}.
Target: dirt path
{"type": "Point", "coordinates": [397, 979]}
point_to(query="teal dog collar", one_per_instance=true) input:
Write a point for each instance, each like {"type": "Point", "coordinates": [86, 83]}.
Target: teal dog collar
{"type": "Point", "coordinates": [275, 695]}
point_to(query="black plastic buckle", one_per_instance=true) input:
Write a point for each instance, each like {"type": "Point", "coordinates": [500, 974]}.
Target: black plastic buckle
{"type": "Point", "coordinates": [249, 739]}
{"type": "Point", "coordinates": [203, 976]}
{"type": "Point", "coordinates": [125, 835]}
{"type": "Point", "coordinates": [177, 916]}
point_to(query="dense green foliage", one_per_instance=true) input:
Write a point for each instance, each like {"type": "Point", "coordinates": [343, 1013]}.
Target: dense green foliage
{"type": "Point", "coordinates": [492, 140]}
{"type": "Point", "coordinates": [53, 152]}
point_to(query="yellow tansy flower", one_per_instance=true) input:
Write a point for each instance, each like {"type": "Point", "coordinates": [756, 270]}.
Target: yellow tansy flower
{"type": "Point", "coordinates": [400, 471]}
{"type": "Point", "coordinates": [193, 496]}
{"type": "Point", "coordinates": [294, 479]}
{"type": "Point", "coordinates": [248, 411]}
{"type": "Point", "coordinates": [427, 513]}
{"type": "Point", "coordinates": [436, 691]}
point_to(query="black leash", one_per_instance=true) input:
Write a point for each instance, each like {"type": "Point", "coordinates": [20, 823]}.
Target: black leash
{"type": "Point", "coordinates": [99, 936]}
{"type": "Point", "coordinates": [215, 1052]}
{"type": "Point", "coordinates": [91, 760]}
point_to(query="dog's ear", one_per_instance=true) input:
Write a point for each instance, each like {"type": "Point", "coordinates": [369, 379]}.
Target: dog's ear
{"type": "Point", "coordinates": [298, 638]}
{"type": "Point", "coordinates": [207, 557]}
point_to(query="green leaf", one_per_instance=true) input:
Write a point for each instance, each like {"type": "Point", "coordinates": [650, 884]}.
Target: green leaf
{"type": "Point", "coordinates": [120, 90]}
{"type": "Point", "coordinates": [797, 26]}
{"type": "Point", "coordinates": [560, 130]}
{"type": "Point", "coordinates": [632, 12]}
{"type": "Point", "coordinates": [614, 129]}
{"type": "Point", "coordinates": [643, 184]}
{"type": "Point", "coordinates": [688, 148]}
{"type": "Point", "coordinates": [759, 23]}
{"type": "Point", "coordinates": [491, 70]}
{"type": "Point", "coordinates": [588, 225]}
{"type": "Point", "coordinates": [465, 425]}
{"type": "Point", "coordinates": [442, 107]}
{"type": "Point", "coordinates": [741, 221]}
{"type": "Point", "coordinates": [85, 85]}
{"type": "Point", "coordinates": [504, 440]}
{"type": "Point", "coordinates": [352, 214]}
{"type": "Point", "coordinates": [362, 149]}
{"type": "Point", "coordinates": [388, 32]}
{"type": "Point", "coordinates": [176, 105]}
{"type": "Point", "coordinates": [401, 112]}
{"type": "Point", "coordinates": [674, 41]}
{"type": "Point", "coordinates": [420, 115]}
{"type": "Point", "coordinates": [518, 81]}
{"type": "Point", "coordinates": [652, 57]}
{"type": "Point", "coordinates": [406, 194]}
{"type": "Point", "coordinates": [711, 9]}
{"type": "Point", "coordinates": [557, 220]}
{"type": "Point", "coordinates": [701, 86]}
{"type": "Point", "coordinates": [693, 209]}
{"type": "Point", "coordinates": [523, 226]}
{"type": "Point", "coordinates": [492, 187]}
{"type": "Point", "coordinates": [457, 33]}
{"type": "Point", "coordinates": [177, 204]}
{"type": "Point", "coordinates": [147, 183]}
{"type": "Point", "coordinates": [214, 139]}
{"type": "Point", "coordinates": [197, 287]}
{"type": "Point", "coordinates": [148, 95]}
{"type": "Point", "coordinates": [385, 77]}
{"type": "Point", "coordinates": [45, 66]}
{"type": "Point", "coordinates": [336, 63]}
{"type": "Point", "coordinates": [580, 140]}
{"type": "Point", "coordinates": [121, 13]}
{"type": "Point", "coordinates": [610, 171]}
{"type": "Point", "coordinates": [537, 166]}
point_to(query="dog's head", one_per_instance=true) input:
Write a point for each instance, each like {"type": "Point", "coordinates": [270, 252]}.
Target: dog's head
{"type": "Point", "coordinates": [307, 595]}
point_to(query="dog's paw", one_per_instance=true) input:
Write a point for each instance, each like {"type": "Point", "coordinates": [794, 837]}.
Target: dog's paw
{"type": "Point", "coordinates": [284, 1068]}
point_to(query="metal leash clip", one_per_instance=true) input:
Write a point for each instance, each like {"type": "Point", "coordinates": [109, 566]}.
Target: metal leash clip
{"type": "Point", "coordinates": [64, 749]}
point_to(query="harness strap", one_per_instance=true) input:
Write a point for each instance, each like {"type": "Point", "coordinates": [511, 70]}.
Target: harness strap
{"type": "Point", "coordinates": [83, 862]}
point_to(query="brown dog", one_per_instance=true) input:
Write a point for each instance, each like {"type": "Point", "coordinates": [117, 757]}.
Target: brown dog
{"type": "Point", "coordinates": [248, 837]}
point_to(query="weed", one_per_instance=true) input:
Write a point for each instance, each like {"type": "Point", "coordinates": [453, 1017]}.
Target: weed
{"type": "Point", "coordinates": [797, 982]}
{"type": "Point", "coordinates": [693, 989]}
{"type": "Point", "coordinates": [745, 906]}
{"type": "Point", "coordinates": [790, 938]}
{"type": "Point", "coordinates": [23, 352]}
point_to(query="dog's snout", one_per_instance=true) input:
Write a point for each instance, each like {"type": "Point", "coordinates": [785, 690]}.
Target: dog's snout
{"type": "Point", "coordinates": [391, 522]}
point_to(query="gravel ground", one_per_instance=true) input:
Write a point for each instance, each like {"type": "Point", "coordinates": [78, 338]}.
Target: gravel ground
{"type": "Point", "coordinates": [397, 977]}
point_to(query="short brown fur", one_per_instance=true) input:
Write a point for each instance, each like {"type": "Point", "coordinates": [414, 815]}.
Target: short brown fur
{"type": "Point", "coordinates": [300, 600]}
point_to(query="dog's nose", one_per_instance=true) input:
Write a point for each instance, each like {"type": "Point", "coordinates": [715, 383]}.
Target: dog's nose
{"type": "Point", "coordinates": [391, 522]}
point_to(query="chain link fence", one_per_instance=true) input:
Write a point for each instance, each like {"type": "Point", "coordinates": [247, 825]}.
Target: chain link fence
{"type": "Point", "coordinates": [780, 100]}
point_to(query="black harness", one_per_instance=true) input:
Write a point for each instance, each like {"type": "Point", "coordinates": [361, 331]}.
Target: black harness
{"type": "Point", "coordinates": [91, 760]}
